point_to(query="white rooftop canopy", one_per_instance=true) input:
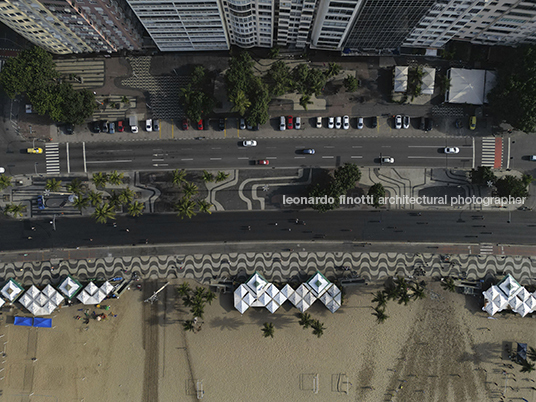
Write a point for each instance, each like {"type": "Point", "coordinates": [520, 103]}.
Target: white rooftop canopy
{"type": "Point", "coordinates": [91, 294]}
{"type": "Point", "coordinates": [400, 79]}
{"type": "Point", "coordinates": [428, 81]}
{"type": "Point", "coordinates": [11, 290]}
{"type": "Point", "coordinates": [41, 303]}
{"type": "Point", "coordinates": [469, 86]}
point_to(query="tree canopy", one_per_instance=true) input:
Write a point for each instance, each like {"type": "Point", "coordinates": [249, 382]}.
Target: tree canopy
{"type": "Point", "coordinates": [513, 186]}
{"type": "Point", "coordinates": [377, 191]}
{"type": "Point", "coordinates": [197, 95]}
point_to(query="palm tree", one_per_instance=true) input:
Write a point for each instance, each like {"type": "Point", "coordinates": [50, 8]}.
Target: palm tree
{"type": "Point", "coordinates": [103, 213]}
{"type": "Point", "coordinates": [418, 291]}
{"type": "Point", "coordinates": [5, 182]}
{"type": "Point", "coordinates": [318, 328]}
{"type": "Point", "coordinates": [184, 289]}
{"type": "Point", "coordinates": [126, 196]}
{"type": "Point", "coordinates": [113, 200]}
{"type": "Point", "coordinates": [178, 177]}
{"type": "Point", "coordinates": [189, 189]}
{"type": "Point", "coordinates": [198, 310]}
{"type": "Point", "coordinates": [210, 297]}
{"type": "Point", "coordinates": [75, 186]}
{"type": "Point", "coordinates": [221, 176]}
{"type": "Point", "coordinates": [404, 297]}
{"type": "Point", "coordinates": [188, 325]}
{"type": "Point", "coordinates": [527, 367]}
{"type": "Point", "coordinates": [380, 298]}
{"type": "Point", "coordinates": [14, 209]}
{"type": "Point", "coordinates": [207, 176]}
{"type": "Point", "coordinates": [187, 300]}
{"type": "Point", "coordinates": [380, 315]}
{"type": "Point", "coordinates": [81, 203]}
{"type": "Point", "coordinates": [185, 208]}
{"type": "Point", "coordinates": [391, 292]}
{"type": "Point", "coordinates": [136, 209]}
{"type": "Point", "coordinates": [204, 206]}
{"type": "Point", "coordinates": [305, 320]}
{"type": "Point", "coordinates": [531, 353]}
{"type": "Point", "coordinates": [95, 198]}
{"type": "Point", "coordinates": [115, 178]}
{"type": "Point", "coordinates": [305, 101]}
{"type": "Point", "coordinates": [448, 284]}
{"type": "Point", "coordinates": [241, 102]}
{"type": "Point", "coordinates": [333, 70]}
{"type": "Point", "coordinates": [99, 179]}
{"type": "Point", "coordinates": [53, 185]}
{"type": "Point", "coordinates": [268, 330]}
{"type": "Point", "coordinates": [401, 283]}
{"type": "Point", "coordinates": [125, 99]}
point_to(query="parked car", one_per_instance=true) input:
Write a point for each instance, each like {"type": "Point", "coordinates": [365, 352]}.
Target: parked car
{"type": "Point", "coordinates": [429, 124]}
{"type": "Point", "coordinates": [2, 169]}
{"type": "Point", "coordinates": [387, 159]}
{"type": "Point", "coordinates": [422, 126]}
{"type": "Point", "coordinates": [249, 143]}
{"type": "Point", "coordinates": [406, 121]}
{"type": "Point", "coordinates": [96, 126]}
{"type": "Point", "coordinates": [452, 150]}
{"type": "Point", "coordinates": [374, 122]}
{"type": "Point", "coordinates": [34, 150]}
{"type": "Point", "coordinates": [472, 123]}
{"type": "Point", "coordinates": [134, 129]}
{"type": "Point", "coordinates": [156, 125]}
{"type": "Point", "coordinates": [40, 202]}
{"type": "Point", "coordinates": [263, 162]}
{"type": "Point", "coordinates": [282, 123]}
{"type": "Point", "coordinates": [206, 124]}
{"type": "Point", "coordinates": [221, 124]}
{"type": "Point", "coordinates": [338, 122]}
{"type": "Point", "coordinates": [249, 125]}
{"type": "Point", "coordinates": [319, 122]}
{"type": "Point", "coordinates": [200, 124]}
{"type": "Point", "coordinates": [242, 124]}
{"type": "Point", "coordinates": [112, 128]}
{"type": "Point", "coordinates": [346, 122]}
{"type": "Point", "coordinates": [309, 151]}
{"type": "Point", "coordinates": [185, 124]}
{"type": "Point", "coordinates": [398, 122]}
{"type": "Point", "coordinates": [148, 125]}
{"type": "Point", "coordinates": [121, 126]}
{"type": "Point", "coordinates": [297, 123]}
{"type": "Point", "coordinates": [69, 129]}
{"type": "Point", "coordinates": [360, 124]}
{"type": "Point", "coordinates": [290, 122]}
{"type": "Point", "coordinates": [104, 126]}
{"type": "Point", "coordinates": [331, 122]}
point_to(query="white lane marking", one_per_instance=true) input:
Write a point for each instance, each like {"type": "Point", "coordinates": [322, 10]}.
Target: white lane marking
{"type": "Point", "coordinates": [474, 156]}
{"type": "Point", "coordinates": [356, 157]}
{"type": "Point", "coordinates": [329, 146]}
{"type": "Point", "coordinates": [437, 157]}
{"type": "Point", "coordinates": [116, 161]}
{"type": "Point", "coordinates": [271, 157]}
{"type": "Point", "coordinates": [386, 146]}
{"type": "Point", "coordinates": [161, 164]}
{"type": "Point", "coordinates": [357, 146]}
{"type": "Point", "coordinates": [215, 159]}
{"type": "Point", "coordinates": [508, 157]}
{"type": "Point", "coordinates": [84, 152]}
{"type": "Point", "coordinates": [189, 159]}
{"type": "Point", "coordinates": [158, 160]}
{"type": "Point", "coordinates": [434, 146]}
{"type": "Point", "coordinates": [243, 157]}
{"type": "Point", "coordinates": [328, 157]}
{"type": "Point", "coordinates": [299, 157]}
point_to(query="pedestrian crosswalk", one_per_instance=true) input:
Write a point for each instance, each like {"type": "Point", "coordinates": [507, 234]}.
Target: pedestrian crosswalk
{"type": "Point", "coordinates": [486, 249]}
{"type": "Point", "coordinates": [53, 158]}
{"type": "Point", "coordinates": [488, 152]}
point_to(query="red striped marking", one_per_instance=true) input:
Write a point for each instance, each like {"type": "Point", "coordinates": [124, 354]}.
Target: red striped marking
{"type": "Point", "coordinates": [498, 153]}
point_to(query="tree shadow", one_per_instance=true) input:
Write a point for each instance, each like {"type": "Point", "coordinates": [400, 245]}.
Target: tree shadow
{"type": "Point", "coordinates": [226, 323]}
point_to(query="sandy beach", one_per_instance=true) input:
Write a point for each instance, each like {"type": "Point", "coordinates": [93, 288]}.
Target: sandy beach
{"type": "Point", "coordinates": [441, 348]}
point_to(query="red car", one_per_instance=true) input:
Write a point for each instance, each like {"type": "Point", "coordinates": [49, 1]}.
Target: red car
{"type": "Point", "coordinates": [200, 124]}
{"type": "Point", "coordinates": [185, 124]}
{"type": "Point", "coordinates": [263, 162]}
{"type": "Point", "coordinates": [120, 126]}
{"type": "Point", "coordinates": [290, 122]}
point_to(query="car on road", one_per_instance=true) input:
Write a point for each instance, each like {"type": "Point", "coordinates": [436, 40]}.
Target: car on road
{"type": "Point", "coordinates": [35, 150]}
{"type": "Point", "coordinates": [422, 126]}
{"type": "Point", "coordinates": [297, 123]}
{"type": "Point", "coordinates": [96, 126]}
{"type": "Point", "coordinates": [331, 122]}
{"type": "Point", "coordinates": [148, 125]}
{"type": "Point", "coordinates": [221, 124]}
{"type": "Point", "coordinates": [40, 202]}
{"type": "Point", "coordinates": [2, 169]}
{"type": "Point", "coordinates": [451, 150]}
{"type": "Point", "coordinates": [429, 124]}
{"type": "Point", "coordinates": [185, 124]}
{"type": "Point", "coordinates": [263, 162]}
{"type": "Point", "coordinates": [290, 122]}
{"type": "Point", "coordinates": [531, 158]}
{"type": "Point", "coordinates": [242, 124]}
{"type": "Point", "coordinates": [104, 126]}
{"type": "Point", "coordinates": [112, 128]}
{"type": "Point", "coordinates": [338, 122]}
{"type": "Point", "coordinates": [319, 122]}
{"type": "Point", "coordinates": [472, 123]}
{"type": "Point", "coordinates": [156, 125]}
{"type": "Point", "coordinates": [69, 129]}
{"type": "Point", "coordinates": [120, 126]}
{"type": "Point", "coordinates": [387, 159]}
{"type": "Point", "coordinates": [249, 143]}
{"type": "Point", "coordinates": [309, 151]}
{"type": "Point", "coordinates": [374, 122]}
{"type": "Point", "coordinates": [360, 123]}
{"type": "Point", "coordinates": [346, 122]}
{"type": "Point", "coordinates": [398, 122]}
{"type": "Point", "coordinates": [282, 123]}
{"type": "Point", "coordinates": [406, 121]}
{"type": "Point", "coordinates": [200, 124]}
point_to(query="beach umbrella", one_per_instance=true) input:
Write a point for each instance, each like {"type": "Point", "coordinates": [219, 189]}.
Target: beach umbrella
{"type": "Point", "coordinates": [272, 306]}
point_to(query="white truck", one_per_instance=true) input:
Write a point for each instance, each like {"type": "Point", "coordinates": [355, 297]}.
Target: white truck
{"type": "Point", "coordinates": [133, 122]}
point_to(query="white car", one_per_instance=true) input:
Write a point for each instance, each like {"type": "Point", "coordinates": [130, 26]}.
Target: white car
{"type": "Point", "coordinates": [346, 122]}
{"type": "Point", "coordinates": [319, 122]}
{"type": "Point", "coordinates": [406, 121]}
{"type": "Point", "coordinates": [249, 143]}
{"type": "Point", "coordinates": [452, 150]}
{"type": "Point", "coordinates": [360, 124]}
{"type": "Point", "coordinates": [338, 122]}
{"type": "Point", "coordinates": [2, 170]}
{"type": "Point", "coordinates": [398, 122]}
{"type": "Point", "coordinates": [149, 125]}
{"type": "Point", "coordinates": [331, 122]}
{"type": "Point", "coordinates": [282, 123]}
{"type": "Point", "coordinates": [387, 159]}
{"type": "Point", "coordinates": [297, 123]}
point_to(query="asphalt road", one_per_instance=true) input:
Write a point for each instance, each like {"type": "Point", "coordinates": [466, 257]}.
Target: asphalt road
{"type": "Point", "coordinates": [446, 227]}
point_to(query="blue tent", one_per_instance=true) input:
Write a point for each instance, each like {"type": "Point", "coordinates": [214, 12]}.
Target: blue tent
{"type": "Point", "coordinates": [24, 321]}
{"type": "Point", "coordinates": [42, 322]}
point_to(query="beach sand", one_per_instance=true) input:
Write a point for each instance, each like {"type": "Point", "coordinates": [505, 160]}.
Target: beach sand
{"type": "Point", "coordinates": [442, 348]}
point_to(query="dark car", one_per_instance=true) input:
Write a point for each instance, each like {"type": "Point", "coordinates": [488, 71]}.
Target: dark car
{"type": "Point", "coordinates": [156, 125]}
{"type": "Point", "coordinates": [308, 151]}
{"type": "Point", "coordinates": [374, 123]}
{"type": "Point", "coordinates": [221, 124]}
{"type": "Point", "coordinates": [96, 127]}
{"type": "Point", "coordinates": [205, 124]}
{"type": "Point", "coordinates": [185, 124]}
{"type": "Point", "coordinates": [69, 129]}
{"type": "Point", "coordinates": [104, 126]}
{"type": "Point", "coordinates": [422, 125]}
{"type": "Point", "coordinates": [120, 126]}
{"type": "Point", "coordinates": [40, 202]}
{"type": "Point", "coordinates": [429, 124]}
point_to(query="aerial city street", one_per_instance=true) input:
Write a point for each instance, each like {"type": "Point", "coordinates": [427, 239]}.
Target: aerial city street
{"type": "Point", "coordinates": [188, 186]}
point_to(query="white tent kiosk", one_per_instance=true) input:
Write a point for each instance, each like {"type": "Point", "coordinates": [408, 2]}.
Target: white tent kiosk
{"type": "Point", "coordinates": [428, 81]}
{"type": "Point", "coordinates": [469, 86]}
{"type": "Point", "coordinates": [400, 83]}
{"type": "Point", "coordinates": [509, 294]}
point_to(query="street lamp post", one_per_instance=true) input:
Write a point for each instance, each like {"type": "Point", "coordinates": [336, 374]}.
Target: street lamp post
{"type": "Point", "coordinates": [35, 166]}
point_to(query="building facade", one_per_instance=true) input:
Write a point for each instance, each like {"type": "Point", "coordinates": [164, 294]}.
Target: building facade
{"type": "Point", "coordinates": [294, 22]}
{"type": "Point", "coordinates": [183, 25]}
{"type": "Point", "coordinates": [249, 23]}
